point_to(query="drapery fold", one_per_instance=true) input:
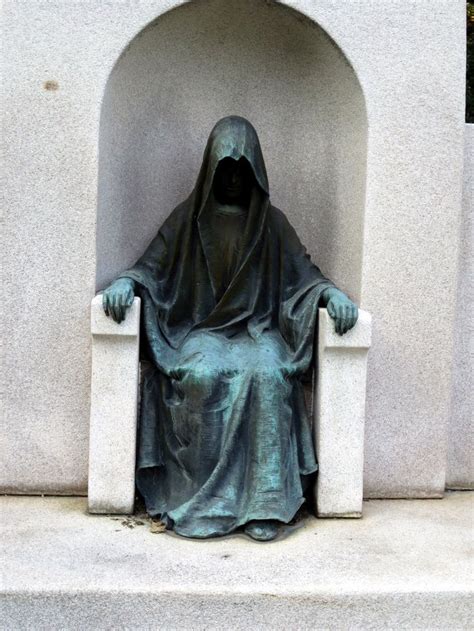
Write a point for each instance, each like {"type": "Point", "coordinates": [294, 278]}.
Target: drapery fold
{"type": "Point", "coordinates": [224, 435]}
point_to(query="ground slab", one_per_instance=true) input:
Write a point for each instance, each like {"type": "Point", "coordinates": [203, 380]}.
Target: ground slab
{"type": "Point", "coordinates": [406, 564]}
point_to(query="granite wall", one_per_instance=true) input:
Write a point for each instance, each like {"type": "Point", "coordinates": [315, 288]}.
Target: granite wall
{"type": "Point", "coordinates": [98, 94]}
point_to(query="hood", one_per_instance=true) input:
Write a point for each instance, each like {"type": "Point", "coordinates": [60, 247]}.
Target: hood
{"type": "Point", "coordinates": [232, 137]}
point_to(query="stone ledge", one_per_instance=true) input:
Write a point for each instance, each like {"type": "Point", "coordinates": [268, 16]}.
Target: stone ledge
{"type": "Point", "coordinates": [404, 565]}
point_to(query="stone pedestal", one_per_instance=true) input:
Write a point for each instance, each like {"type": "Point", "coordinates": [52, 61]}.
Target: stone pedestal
{"type": "Point", "coordinates": [404, 566]}
{"type": "Point", "coordinates": [114, 405]}
{"type": "Point", "coordinates": [340, 416]}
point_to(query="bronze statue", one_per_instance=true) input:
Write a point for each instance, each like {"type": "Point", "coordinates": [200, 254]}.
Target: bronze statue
{"type": "Point", "coordinates": [230, 301]}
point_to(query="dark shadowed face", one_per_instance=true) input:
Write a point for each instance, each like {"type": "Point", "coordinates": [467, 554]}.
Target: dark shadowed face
{"type": "Point", "coordinates": [233, 181]}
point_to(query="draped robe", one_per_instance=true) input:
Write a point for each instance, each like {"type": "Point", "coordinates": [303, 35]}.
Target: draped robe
{"type": "Point", "coordinates": [224, 435]}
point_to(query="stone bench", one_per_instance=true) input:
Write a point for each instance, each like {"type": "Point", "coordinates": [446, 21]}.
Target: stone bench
{"type": "Point", "coordinates": [339, 413]}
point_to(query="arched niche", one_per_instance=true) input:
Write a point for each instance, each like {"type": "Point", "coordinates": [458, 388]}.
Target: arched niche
{"type": "Point", "coordinates": [259, 59]}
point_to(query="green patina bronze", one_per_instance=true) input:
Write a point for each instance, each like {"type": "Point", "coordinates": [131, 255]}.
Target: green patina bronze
{"type": "Point", "coordinates": [230, 301]}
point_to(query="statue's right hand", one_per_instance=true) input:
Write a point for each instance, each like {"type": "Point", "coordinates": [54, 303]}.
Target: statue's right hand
{"type": "Point", "coordinates": [118, 297]}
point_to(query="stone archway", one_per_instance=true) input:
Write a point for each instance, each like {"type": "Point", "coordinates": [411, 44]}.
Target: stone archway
{"type": "Point", "coordinates": [261, 60]}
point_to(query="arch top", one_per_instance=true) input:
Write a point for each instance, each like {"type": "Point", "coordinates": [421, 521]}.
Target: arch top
{"type": "Point", "coordinates": [318, 15]}
{"type": "Point", "coordinates": [195, 64]}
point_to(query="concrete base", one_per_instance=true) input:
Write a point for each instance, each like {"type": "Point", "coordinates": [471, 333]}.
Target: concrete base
{"type": "Point", "coordinates": [404, 565]}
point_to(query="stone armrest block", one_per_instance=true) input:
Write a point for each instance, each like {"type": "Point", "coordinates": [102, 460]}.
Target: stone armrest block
{"type": "Point", "coordinates": [104, 325]}
{"type": "Point", "coordinates": [114, 407]}
{"type": "Point", "coordinates": [358, 337]}
{"type": "Point", "coordinates": [340, 416]}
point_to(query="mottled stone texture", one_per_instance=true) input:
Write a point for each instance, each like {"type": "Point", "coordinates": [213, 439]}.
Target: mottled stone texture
{"type": "Point", "coordinates": [398, 255]}
{"type": "Point", "coordinates": [460, 469]}
{"type": "Point", "coordinates": [340, 416]}
{"type": "Point", "coordinates": [114, 407]}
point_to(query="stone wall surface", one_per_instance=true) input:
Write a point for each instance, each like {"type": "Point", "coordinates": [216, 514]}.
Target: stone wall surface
{"type": "Point", "coordinates": [408, 63]}
{"type": "Point", "coordinates": [460, 468]}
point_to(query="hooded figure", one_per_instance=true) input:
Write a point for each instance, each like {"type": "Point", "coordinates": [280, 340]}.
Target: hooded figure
{"type": "Point", "coordinates": [230, 301]}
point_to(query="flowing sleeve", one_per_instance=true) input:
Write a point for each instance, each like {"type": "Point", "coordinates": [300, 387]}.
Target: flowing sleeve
{"type": "Point", "coordinates": [149, 271]}
{"type": "Point", "coordinates": [301, 286]}
{"type": "Point", "coordinates": [157, 278]}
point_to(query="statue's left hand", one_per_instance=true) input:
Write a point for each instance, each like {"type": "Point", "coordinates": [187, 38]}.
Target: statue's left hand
{"type": "Point", "coordinates": [341, 309]}
{"type": "Point", "coordinates": [117, 298]}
